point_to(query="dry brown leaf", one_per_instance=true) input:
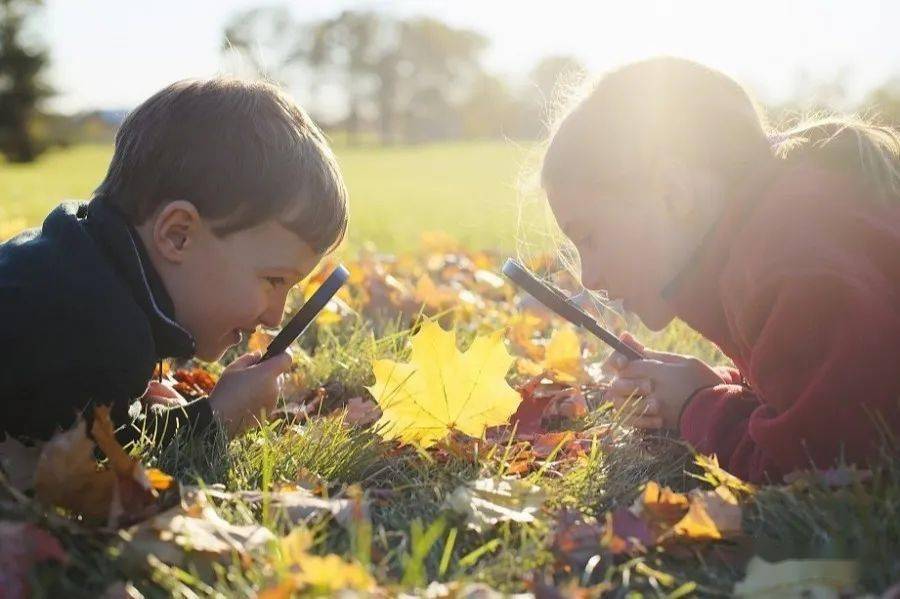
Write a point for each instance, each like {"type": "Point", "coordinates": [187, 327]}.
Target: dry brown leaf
{"type": "Point", "coordinates": [808, 578]}
{"type": "Point", "coordinates": [576, 540]}
{"type": "Point", "coordinates": [487, 501]}
{"type": "Point", "coordinates": [713, 515]}
{"type": "Point", "coordinates": [192, 534]}
{"type": "Point", "coordinates": [299, 504]}
{"type": "Point", "coordinates": [67, 475]}
{"type": "Point", "coordinates": [661, 503]}
{"type": "Point", "coordinates": [19, 462]}
{"type": "Point", "coordinates": [361, 412]}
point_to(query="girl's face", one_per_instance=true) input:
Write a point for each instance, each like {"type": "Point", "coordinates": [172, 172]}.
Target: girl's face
{"type": "Point", "coordinates": [631, 242]}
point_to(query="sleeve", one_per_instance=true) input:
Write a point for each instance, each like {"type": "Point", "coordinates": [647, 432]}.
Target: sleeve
{"type": "Point", "coordinates": [823, 350]}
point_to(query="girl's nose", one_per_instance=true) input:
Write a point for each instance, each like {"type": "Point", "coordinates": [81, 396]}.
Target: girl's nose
{"type": "Point", "coordinates": [274, 313]}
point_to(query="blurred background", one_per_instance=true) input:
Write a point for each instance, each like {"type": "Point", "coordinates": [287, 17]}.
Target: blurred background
{"type": "Point", "coordinates": [433, 107]}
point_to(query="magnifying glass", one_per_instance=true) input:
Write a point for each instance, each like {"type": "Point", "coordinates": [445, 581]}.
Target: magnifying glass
{"type": "Point", "coordinates": [562, 305]}
{"type": "Point", "coordinates": [308, 312]}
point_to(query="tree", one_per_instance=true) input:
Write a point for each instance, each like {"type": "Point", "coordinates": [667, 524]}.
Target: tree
{"type": "Point", "coordinates": [357, 49]}
{"type": "Point", "coordinates": [21, 89]}
{"type": "Point", "coordinates": [437, 68]}
{"type": "Point", "coordinates": [410, 75]}
{"type": "Point", "coordinates": [268, 43]}
{"type": "Point", "coordinates": [884, 101]}
{"type": "Point", "coordinates": [555, 71]}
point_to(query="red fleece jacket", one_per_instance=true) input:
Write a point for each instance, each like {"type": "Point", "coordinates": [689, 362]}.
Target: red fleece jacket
{"type": "Point", "coordinates": [799, 284]}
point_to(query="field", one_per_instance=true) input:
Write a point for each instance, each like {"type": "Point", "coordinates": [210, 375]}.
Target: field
{"type": "Point", "coordinates": [320, 501]}
{"type": "Point", "coordinates": [467, 190]}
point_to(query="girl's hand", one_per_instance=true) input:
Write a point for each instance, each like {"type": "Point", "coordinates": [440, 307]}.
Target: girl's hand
{"type": "Point", "coordinates": [247, 388]}
{"type": "Point", "coordinates": [657, 386]}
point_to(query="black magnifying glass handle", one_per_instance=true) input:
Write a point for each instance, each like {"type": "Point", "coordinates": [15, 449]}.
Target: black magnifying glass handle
{"type": "Point", "coordinates": [308, 312]}
{"type": "Point", "coordinates": [559, 303]}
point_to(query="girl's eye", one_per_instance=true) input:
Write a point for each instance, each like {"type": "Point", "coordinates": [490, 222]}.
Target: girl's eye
{"type": "Point", "coordinates": [276, 281]}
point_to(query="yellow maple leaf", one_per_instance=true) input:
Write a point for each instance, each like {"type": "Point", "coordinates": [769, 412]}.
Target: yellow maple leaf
{"type": "Point", "coordinates": [442, 389]}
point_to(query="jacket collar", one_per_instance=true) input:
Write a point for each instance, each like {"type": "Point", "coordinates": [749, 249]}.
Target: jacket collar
{"type": "Point", "coordinates": [123, 246]}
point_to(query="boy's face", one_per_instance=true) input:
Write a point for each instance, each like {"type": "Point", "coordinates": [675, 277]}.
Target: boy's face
{"type": "Point", "coordinates": [224, 287]}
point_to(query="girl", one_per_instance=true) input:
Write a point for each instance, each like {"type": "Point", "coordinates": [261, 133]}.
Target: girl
{"type": "Point", "coordinates": [781, 248]}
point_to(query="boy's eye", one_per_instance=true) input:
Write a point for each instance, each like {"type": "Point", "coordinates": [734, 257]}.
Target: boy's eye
{"type": "Point", "coordinates": [276, 281]}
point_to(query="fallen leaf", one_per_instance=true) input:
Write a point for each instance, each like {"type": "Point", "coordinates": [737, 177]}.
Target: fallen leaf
{"type": "Point", "coordinates": [712, 515]}
{"type": "Point", "coordinates": [67, 475]}
{"type": "Point", "coordinates": [661, 503]}
{"type": "Point", "coordinates": [193, 534]}
{"type": "Point", "coordinates": [523, 328]}
{"type": "Point", "coordinates": [314, 573]}
{"type": "Point", "coordinates": [575, 540]}
{"type": "Point", "coordinates": [259, 340]}
{"type": "Point", "coordinates": [487, 501]}
{"type": "Point", "coordinates": [19, 462]}
{"type": "Point", "coordinates": [361, 412]}
{"type": "Point", "coordinates": [625, 532]}
{"type": "Point", "coordinates": [441, 389]}
{"type": "Point", "coordinates": [299, 504]}
{"type": "Point", "coordinates": [563, 355]}
{"type": "Point", "coordinates": [717, 476]}
{"type": "Point", "coordinates": [537, 396]}
{"type": "Point", "coordinates": [544, 444]}
{"type": "Point", "coordinates": [22, 546]}
{"type": "Point", "coordinates": [819, 578]}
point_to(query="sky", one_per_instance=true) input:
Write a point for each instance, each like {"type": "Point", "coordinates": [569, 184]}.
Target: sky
{"type": "Point", "coordinates": [112, 54]}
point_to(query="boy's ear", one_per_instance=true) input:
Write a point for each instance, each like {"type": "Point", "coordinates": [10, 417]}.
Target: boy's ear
{"type": "Point", "coordinates": [175, 229]}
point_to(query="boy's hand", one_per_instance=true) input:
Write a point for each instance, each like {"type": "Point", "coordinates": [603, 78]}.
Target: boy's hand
{"type": "Point", "coordinates": [657, 386]}
{"type": "Point", "coordinates": [246, 388]}
{"type": "Point", "coordinates": [161, 393]}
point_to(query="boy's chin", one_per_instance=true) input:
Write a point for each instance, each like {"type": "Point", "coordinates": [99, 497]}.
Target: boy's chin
{"type": "Point", "coordinates": [211, 354]}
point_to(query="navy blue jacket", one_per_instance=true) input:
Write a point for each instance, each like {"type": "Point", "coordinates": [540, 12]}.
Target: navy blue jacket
{"type": "Point", "coordinates": [84, 317]}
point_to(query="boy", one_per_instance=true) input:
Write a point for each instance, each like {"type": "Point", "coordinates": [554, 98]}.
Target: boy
{"type": "Point", "coordinates": [220, 196]}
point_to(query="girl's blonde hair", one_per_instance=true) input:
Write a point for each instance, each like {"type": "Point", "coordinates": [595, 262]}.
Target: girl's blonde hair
{"type": "Point", "coordinates": [611, 132]}
{"type": "Point", "coordinates": [615, 130]}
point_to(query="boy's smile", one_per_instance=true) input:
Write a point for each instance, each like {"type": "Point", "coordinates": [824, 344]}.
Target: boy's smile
{"type": "Point", "coordinates": [224, 287]}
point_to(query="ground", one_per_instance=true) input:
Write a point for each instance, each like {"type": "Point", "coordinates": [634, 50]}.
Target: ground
{"type": "Point", "coordinates": [403, 536]}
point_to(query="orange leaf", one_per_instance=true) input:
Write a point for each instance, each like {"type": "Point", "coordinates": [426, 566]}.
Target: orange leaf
{"type": "Point", "coordinates": [544, 444]}
{"type": "Point", "coordinates": [712, 515]}
{"type": "Point", "coordinates": [663, 503]}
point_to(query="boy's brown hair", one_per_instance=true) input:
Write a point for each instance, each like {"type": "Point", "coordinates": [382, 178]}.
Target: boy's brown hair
{"type": "Point", "coordinates": [241, 151]}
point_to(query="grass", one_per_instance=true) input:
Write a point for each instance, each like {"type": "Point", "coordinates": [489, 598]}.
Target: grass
{"type": "Point", "coordinates": [412, 541]}
{"type": "Point", "coordinates": [466, 190]}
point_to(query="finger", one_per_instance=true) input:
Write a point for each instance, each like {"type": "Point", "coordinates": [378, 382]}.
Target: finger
{"type": "Point", "coordinates": [625, 387]}
{"type": "Point", "coordinates": [663, 356]}
{"type": "Point", "coordinates": [632, 407]}
{"type": "Point", "coordinates": [629, 340]}
{"type": "Point", "coordinates": [276, 365]}
{"type": "Point", "coordinates": [246, 360]}
{"type": "Point", "coordinates": [644, 369]}
{"type": "Point", "coordinates": [157, 389]}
